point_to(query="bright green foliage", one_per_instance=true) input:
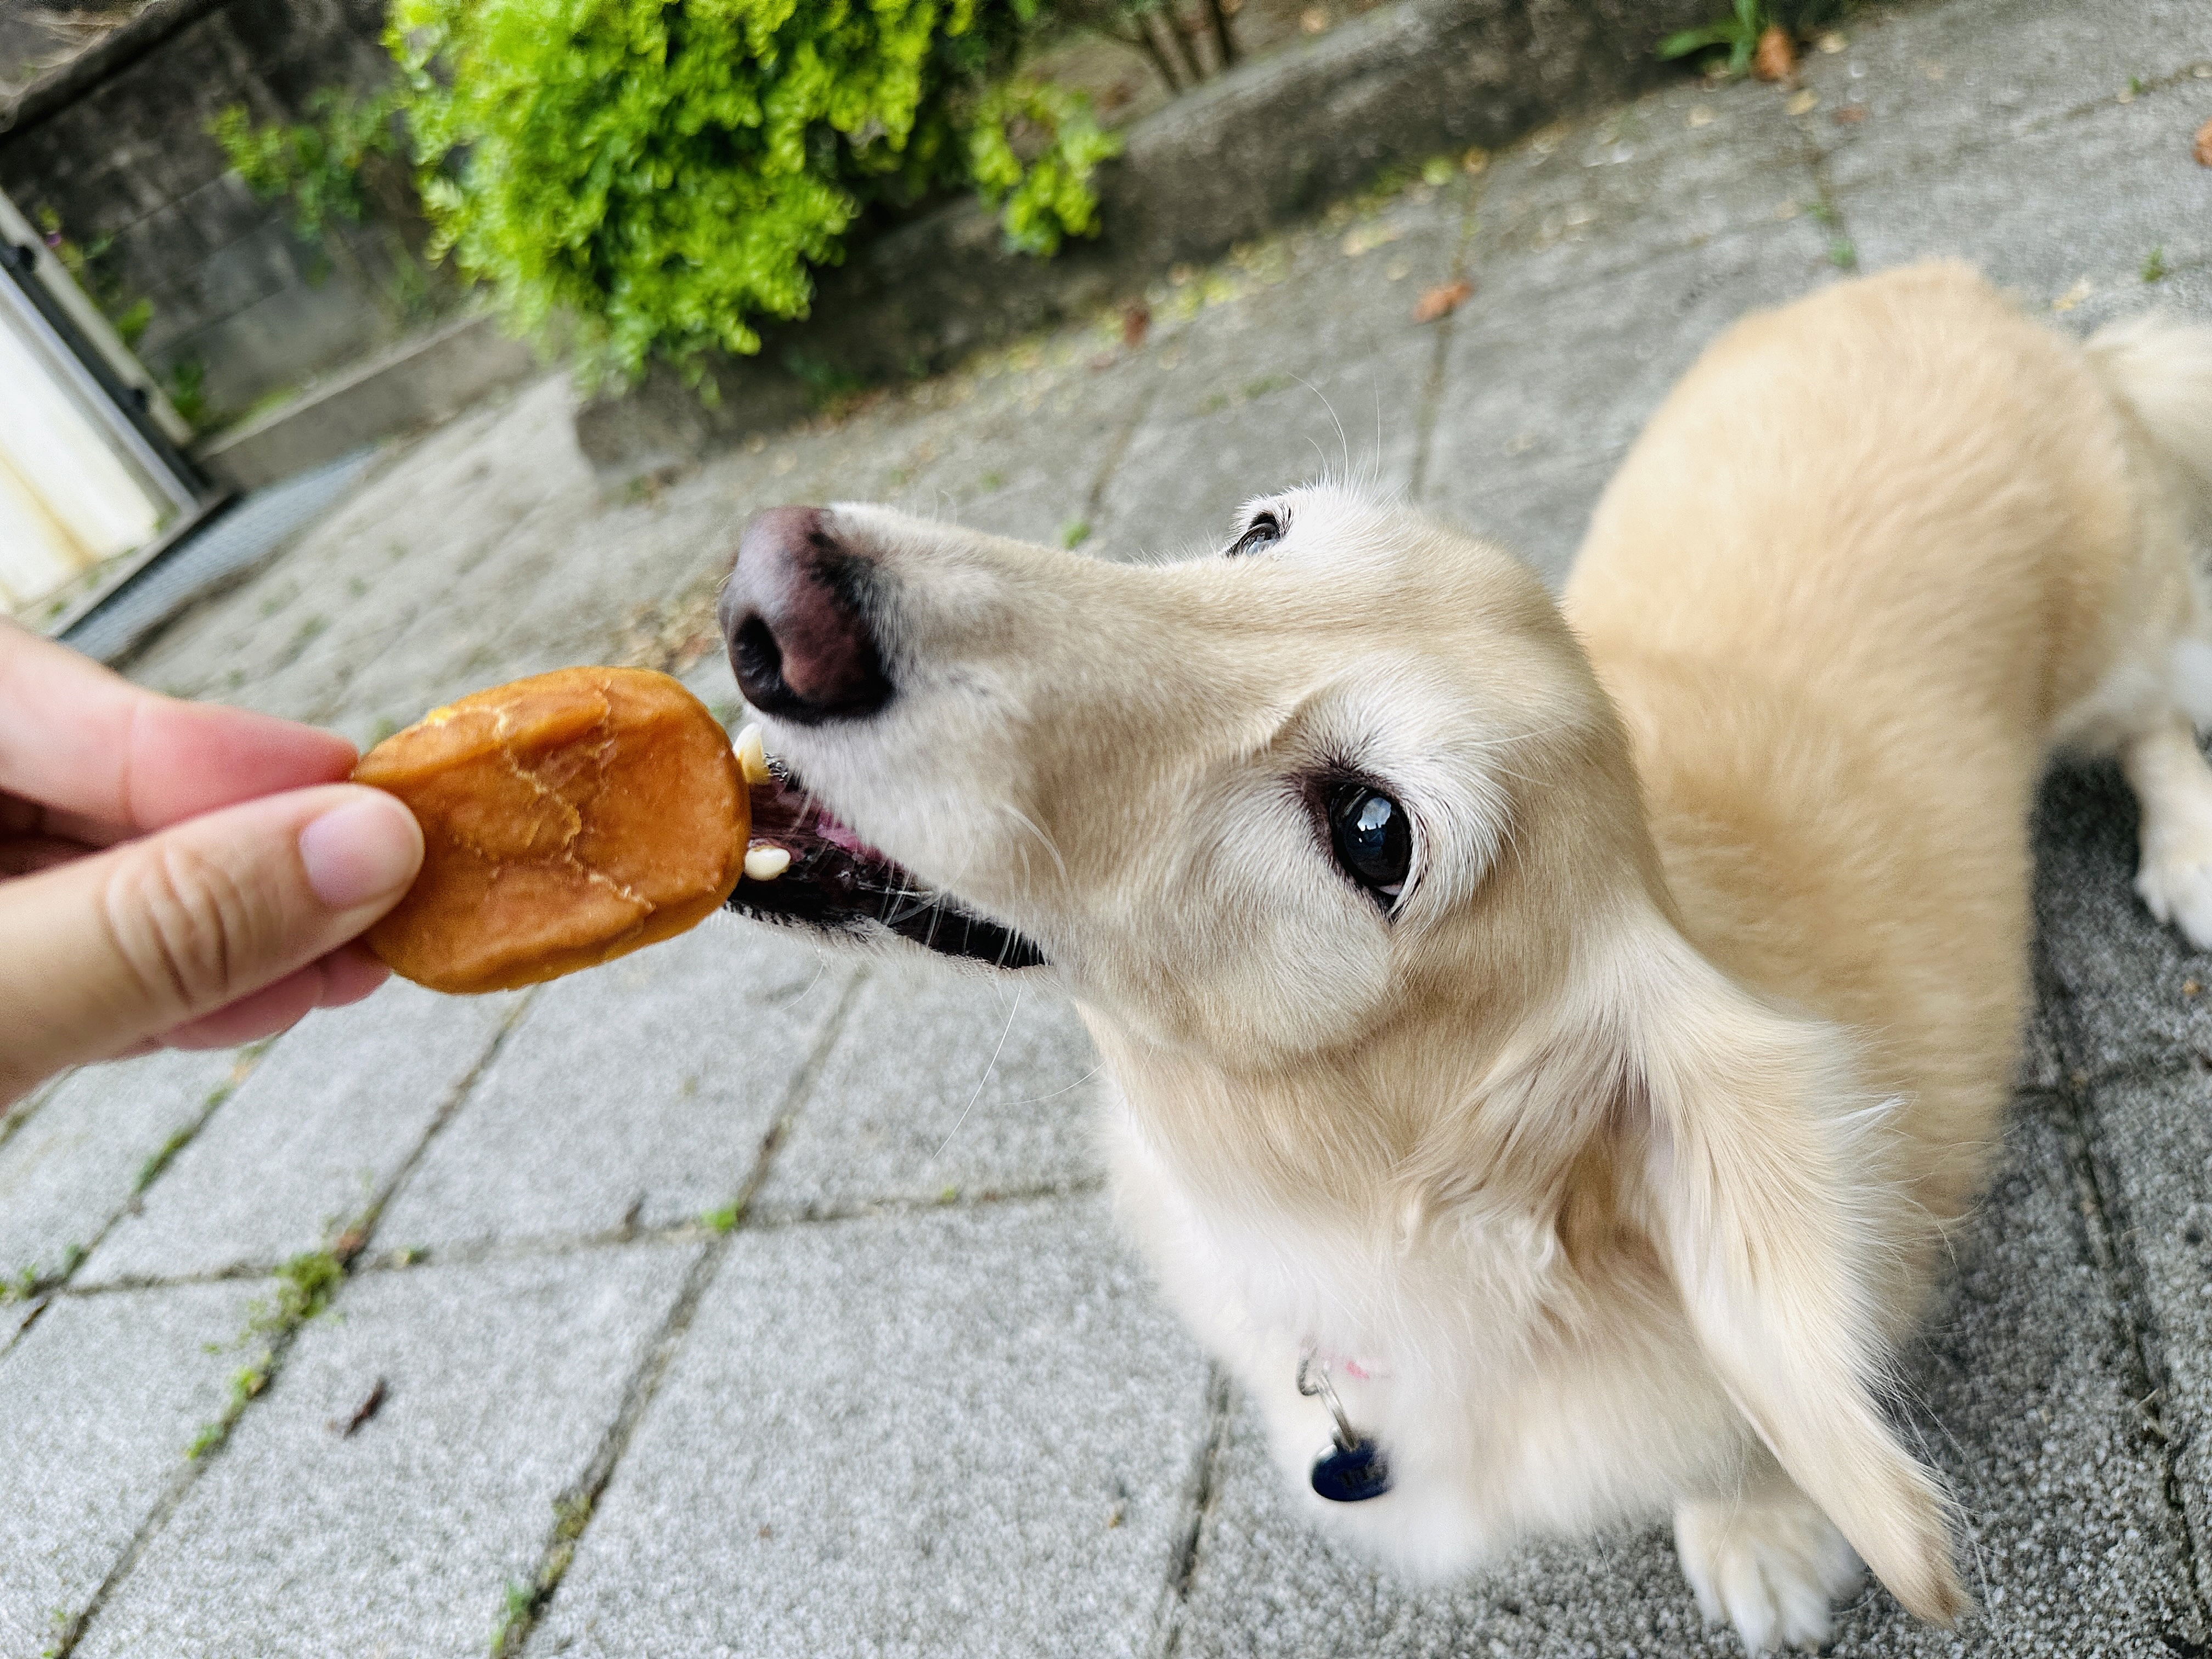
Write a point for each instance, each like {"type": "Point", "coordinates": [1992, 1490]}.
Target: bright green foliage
{"type": "Point", "coordinates": [668, 172]}
{"type": "Point", "coordinates": [1049, 196]}
{"type": "Point", "coordinates": [1740, 30]}
{"type": "Point", "coordinates": [92, 268]}
{"type": "Point", "coordinates": [318, 163]}
{"type": "Point", "coordinates": [1739, 33]}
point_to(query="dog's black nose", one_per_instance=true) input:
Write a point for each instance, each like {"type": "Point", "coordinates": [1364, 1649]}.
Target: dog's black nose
{"type": "Point", "coordinates": [791, 614]}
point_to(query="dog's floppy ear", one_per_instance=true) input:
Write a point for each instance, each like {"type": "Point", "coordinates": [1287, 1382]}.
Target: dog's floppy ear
{"type": "Point", "coordinates": [1764, 1167]}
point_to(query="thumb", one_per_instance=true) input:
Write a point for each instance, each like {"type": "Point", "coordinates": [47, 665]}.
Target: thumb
{"type": "Point", "coordinates": [111, 949]}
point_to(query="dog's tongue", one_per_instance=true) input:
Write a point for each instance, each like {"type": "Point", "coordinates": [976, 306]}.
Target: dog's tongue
{"type": "Point", "coordinates": [804, 864]}
{"type": "Point", "coordinates": [792, 818]}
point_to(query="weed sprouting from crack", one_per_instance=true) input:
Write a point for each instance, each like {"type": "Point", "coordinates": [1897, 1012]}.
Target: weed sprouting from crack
{"type": "Point", "coordinates": [723, 1219]}
{"type": "Point", "coordinates": [304, 1287]}
{"type": "Point", "coordinates": [572, 1513]}
{"type": "Point", "coordinates": [150, 1170]}
{"type": "Point", "coordinates": [521, 1597]}
{"type": "Point", "coordinates": [30, 1282]}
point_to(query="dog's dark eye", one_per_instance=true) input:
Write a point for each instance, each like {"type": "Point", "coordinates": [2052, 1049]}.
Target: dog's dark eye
{"type": "Point", "coordinates": [1374, 842]}
{"type": "Point", "coordinates": [1264, 530]}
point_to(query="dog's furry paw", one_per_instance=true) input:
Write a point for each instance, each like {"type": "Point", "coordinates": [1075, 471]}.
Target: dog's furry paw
{"type": "Point", "coordinates": [2175, 883]}
{"type": "Point", "coordinates": [1772, 1568]}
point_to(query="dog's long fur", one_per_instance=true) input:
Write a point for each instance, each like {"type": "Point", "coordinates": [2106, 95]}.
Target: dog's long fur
{"type": "Point", "coordinates": [1607, 1169]}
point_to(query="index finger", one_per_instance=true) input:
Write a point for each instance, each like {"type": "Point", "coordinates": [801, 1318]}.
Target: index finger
{"type": "Point", "coordinates": [81, 740]}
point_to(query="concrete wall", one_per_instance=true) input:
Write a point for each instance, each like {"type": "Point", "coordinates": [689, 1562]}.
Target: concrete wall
{"type": "Point", "coordinates": [124, 152]}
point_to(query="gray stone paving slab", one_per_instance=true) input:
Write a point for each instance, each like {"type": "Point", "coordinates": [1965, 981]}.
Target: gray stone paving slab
{"type": "Point", "coordinates": [486, 557]}
{"type": "Point", "coordinates": [1302, 362]}
{"type": "Point", "coordinates": [400, 1538]}
{"type": "Point", "coordinates": [434, 509]}
{"type": "Point", "coordinates": [2027, 1401]}
{"type": "Point", "coordinates": [1674, 169]}
{"type": "Point", "coordinates": [1941, 84]}
{"type": "Point", "coordinates": [2042, 1066]}
{"type": "Point", "coordinates": [1539, 513]}
{"type": "Point", "coordinates": [2079, 235]}
{"type": "Point", "coordinates": [1183, 481]}
{"type": "Point", "coordinates": [97, 1405]}
{"type": "Point", "coordinates": [76, 1163]}
{"type": "Point", "coordinates": [941, 1084]}
{"type": "Point", "coordinates": [968, 1431]}
{"type": "Point", "coordinates": [2122, 978]}
{"type": "Point", "coordinates": [326, 1120]}
{"type": "Point", "coordinates": [637, 1093]}
{"type": "Point", "coordinates": [1574, 381]}
{"type": "Point", "coordinates": [1021, 452]}
{"type": "Point", "coordinates": [2156, 1134]}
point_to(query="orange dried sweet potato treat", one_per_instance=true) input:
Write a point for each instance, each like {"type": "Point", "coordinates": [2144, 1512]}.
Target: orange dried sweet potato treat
{"type": "Point", "coordinates": [567, 819]}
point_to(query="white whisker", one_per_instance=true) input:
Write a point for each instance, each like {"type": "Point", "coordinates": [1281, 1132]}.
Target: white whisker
{"type": "Point", "coordinates": [981, 1080]}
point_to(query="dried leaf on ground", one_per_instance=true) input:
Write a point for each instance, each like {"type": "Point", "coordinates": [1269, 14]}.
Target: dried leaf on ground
{"type": "Point", "coordinates": [1443, 301]}
{"type": "Point", "coordinates": [1136, 323]}
{"type": "Point", "coordinates": [2204, 145]}
{"type": "Point", "coordinates": [371, 1403]}
{"type": "Point", "coordinates": [1775, 58]}
{"type": "Point", "coordinates": [1849, 115]}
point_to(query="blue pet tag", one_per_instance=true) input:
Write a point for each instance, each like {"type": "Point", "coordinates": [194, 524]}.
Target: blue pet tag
{"type": "Point", "coordinates": [1352, 1473]}
{"type": "Point", "coordinates": [1353, 1469]}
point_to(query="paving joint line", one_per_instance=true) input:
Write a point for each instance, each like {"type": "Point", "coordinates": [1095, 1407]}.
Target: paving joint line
{"type": "Point", "coordinates": [1432, 392]}
{"type": "Point", "coordinates": [1204, 1492]}
{"type": "Point", "coordinates": [181, 1482]}
{"type": "Point", "coordinates": [2153, 1069]}
{"type": "Point", "coordinates": [1117, 450]}
{"type": "Point", "coordinates": [15, 1116]}
{"type": "Point", "coordinates": [46, 1290]}
{"type": "Point", "coordinates": [365, 1225]}
{"type": "Point", "coordinates": [2106, 1220]}
{"type": "Point", "coordinates": [2034, 127]}
{"type": "Point", "coordinates": [574, 1508]}
{"type": "Point", "coordinates": [473, 1252]}
{"type": "Point", "coordinates": [1843, 247]}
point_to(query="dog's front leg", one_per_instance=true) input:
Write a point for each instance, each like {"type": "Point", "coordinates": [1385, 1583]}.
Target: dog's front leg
{"type": "Point", "coordinates": [1766, 1560]}
{"type": "Point", "coordinates": [2175, 788]}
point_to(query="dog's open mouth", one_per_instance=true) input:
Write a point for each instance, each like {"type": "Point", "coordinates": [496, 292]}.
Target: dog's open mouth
{"type": "Point", "coordinates": [836, 882]}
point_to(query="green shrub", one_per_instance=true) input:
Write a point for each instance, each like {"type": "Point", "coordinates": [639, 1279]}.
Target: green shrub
{"type": "Point", "coordinates": [1740, 30]}
{"type": "Point", "coordinates": [317, 163]}
{"type": "Point", "coordinates": [667, 173]}
{"type": "Point", "coordinates": [91, 266]}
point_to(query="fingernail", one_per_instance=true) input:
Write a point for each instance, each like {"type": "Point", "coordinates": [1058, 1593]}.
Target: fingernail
{"type": "Point", "coordinates": [361, 851]}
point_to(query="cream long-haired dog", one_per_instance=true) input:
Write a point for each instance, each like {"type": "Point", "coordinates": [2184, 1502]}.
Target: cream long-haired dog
{"type": "Point", "coordinates": [1557, 1036]}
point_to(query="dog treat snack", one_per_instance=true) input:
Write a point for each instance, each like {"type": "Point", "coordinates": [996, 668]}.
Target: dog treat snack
{"type": "Point", "coordinates": [567, 819]}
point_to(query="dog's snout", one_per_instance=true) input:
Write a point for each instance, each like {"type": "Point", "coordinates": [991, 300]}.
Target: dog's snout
{"type": "Point", "coordinates": [790, 614]}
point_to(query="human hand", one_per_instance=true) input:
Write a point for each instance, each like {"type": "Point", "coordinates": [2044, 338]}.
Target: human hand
{"type": "Point", "coordinates": [173, 873]}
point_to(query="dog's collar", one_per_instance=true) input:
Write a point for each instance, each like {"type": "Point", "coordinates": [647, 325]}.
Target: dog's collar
{"type": "Point", "coordinates": [1354, 1469]}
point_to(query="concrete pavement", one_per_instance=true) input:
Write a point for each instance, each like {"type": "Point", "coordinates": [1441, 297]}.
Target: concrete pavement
{"type": "Point", "coordinates": [738, 1300]}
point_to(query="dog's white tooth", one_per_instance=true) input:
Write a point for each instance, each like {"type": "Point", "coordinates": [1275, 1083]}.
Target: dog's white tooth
{"type": "Point", "coordinates": [765, 863]}
{"type": "Point", "coordinates": [752, 756]}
